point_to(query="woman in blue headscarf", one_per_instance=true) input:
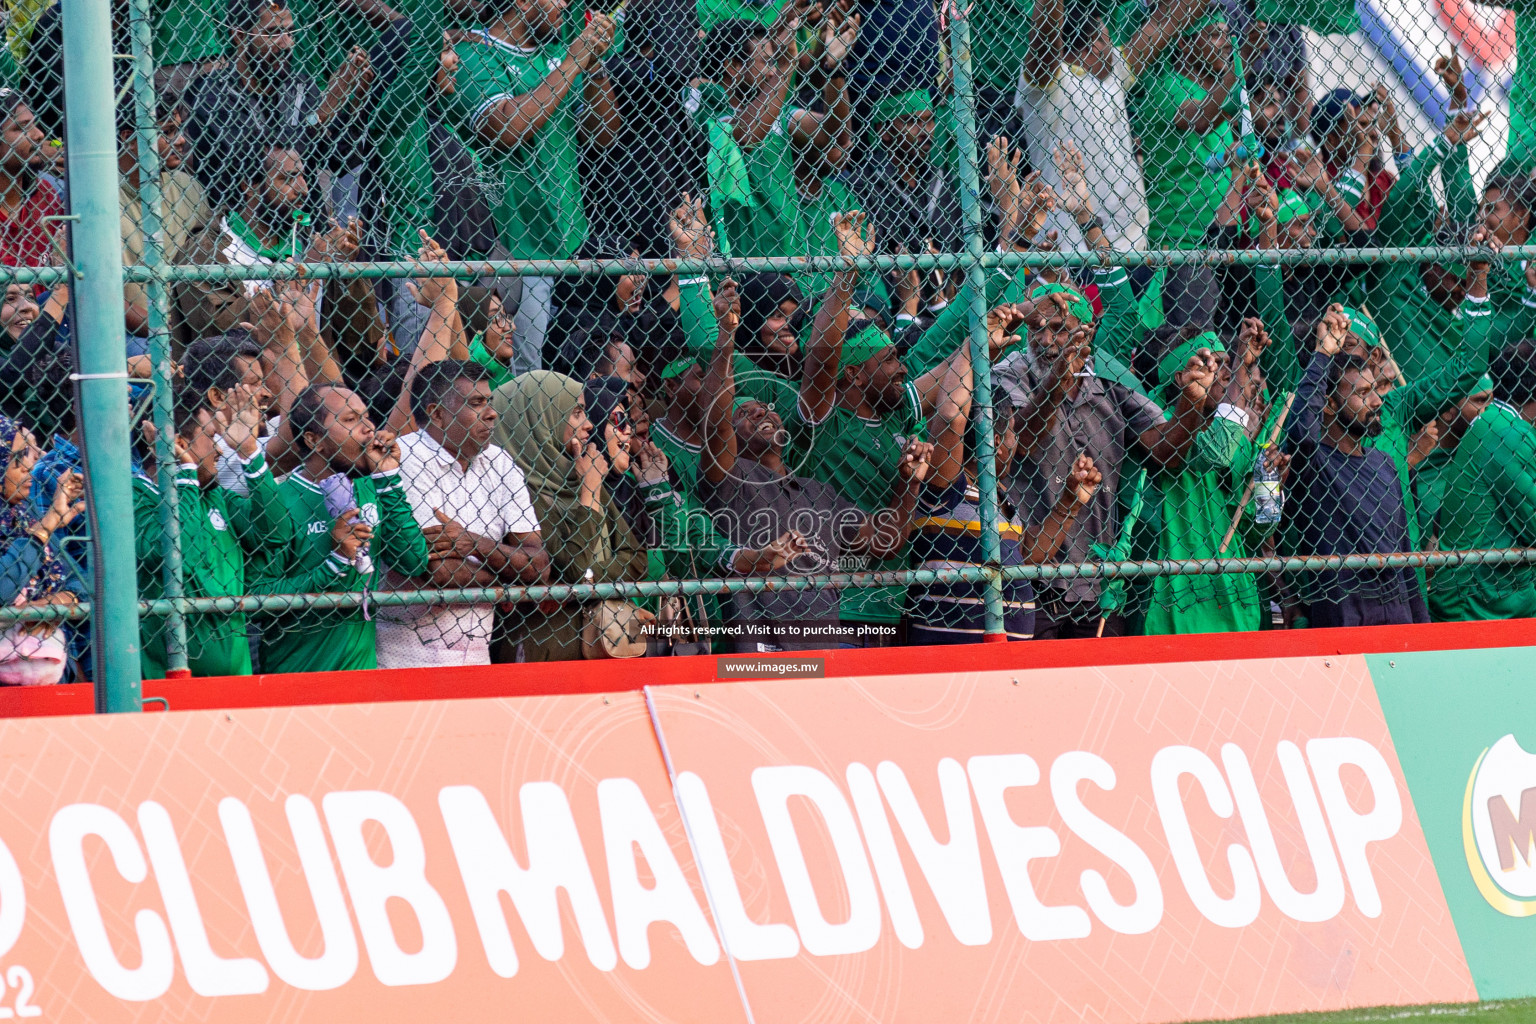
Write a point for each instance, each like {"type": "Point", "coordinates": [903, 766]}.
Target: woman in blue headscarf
{"type": "Point", "coordinates": [31, 573]}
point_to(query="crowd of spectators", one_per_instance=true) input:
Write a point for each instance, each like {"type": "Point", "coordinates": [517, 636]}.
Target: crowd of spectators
{"type": "Point", "coordinates": [397, 436]}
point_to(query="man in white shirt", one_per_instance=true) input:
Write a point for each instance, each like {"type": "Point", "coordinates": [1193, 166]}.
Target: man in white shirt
{"type": "Point", "coordinates": [1073, 87]}
{"type": "Point", "coordinates": [473, 506]}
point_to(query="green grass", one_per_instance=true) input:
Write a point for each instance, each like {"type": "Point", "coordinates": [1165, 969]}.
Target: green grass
{"type": "Point", "coordinates": [1511, 1011]}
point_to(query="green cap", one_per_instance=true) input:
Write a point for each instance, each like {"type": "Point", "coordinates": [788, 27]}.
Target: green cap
{"type": "Point", "coordinates": [862, 345]}
{"type": "Point", "coordinates": [1077, 303]}
{"type": "Point", "coordinates": [1292, 205]}
{"type": "Point", "coordinates": [1363, 327]}
{"type": "Point", "coordinates": [914, 102]}
{"type": "Point", "coordinates": [1484, 383]}
{"type": "Point", "coordinates": [1177, 358]}
{"type": "Point", "coordinates": [678, 367]}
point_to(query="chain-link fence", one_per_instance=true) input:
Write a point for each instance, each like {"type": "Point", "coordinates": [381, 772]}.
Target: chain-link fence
{"type": "Point", "coordinates": [461, 331]}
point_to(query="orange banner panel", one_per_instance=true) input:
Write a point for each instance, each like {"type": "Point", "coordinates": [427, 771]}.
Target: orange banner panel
{"type": "Point", "coordinates": [1137, 843]}
{"type": "Point", "coordinates": [458, 860]}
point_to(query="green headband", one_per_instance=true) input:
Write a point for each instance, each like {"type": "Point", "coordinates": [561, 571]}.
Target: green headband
{"type": "Point", "coordinates": [914, 102]}
{"type": "Point", "coordinates": [1077, 304]}
{"type": "Point", "coordinates": [678, 367]}
{"type": "Point", "coordinates": [1363, 327]}
{"type": "Point", "coordinates": [861, 346]}
{"type": "Point", "coordinates": [1177, 358]}
{"type": "Point", "coordinates": [1217, 17]}
{"type": "Point", "coordinates": [1292, 205]}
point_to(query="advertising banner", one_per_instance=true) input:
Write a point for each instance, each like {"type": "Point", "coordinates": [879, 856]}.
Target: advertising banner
{"type": "Point", "coordinates": [1129, 843]}
{"type": "Point", "coordinates": [1465, 726]}
{"type": "Point", "coordinates": [1138, 843]}
{"type": "Point", "coordinates": [446, 861]}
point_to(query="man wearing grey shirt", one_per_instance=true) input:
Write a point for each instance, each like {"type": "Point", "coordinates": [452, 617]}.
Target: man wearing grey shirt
{"type": "Point", "coordinates": [1069, 407]}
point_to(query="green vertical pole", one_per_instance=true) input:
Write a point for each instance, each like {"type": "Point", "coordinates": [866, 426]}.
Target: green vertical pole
{"type": "Point", "coordinates": [976, 293]}
{"type": "Point", "coordinates": [151, 206]}
{"type": "Point", "coordinates": [101, 361]}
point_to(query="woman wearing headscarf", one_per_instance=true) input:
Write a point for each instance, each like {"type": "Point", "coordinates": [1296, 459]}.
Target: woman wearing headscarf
{"type": "Point", "coordinates": [542, 421]}
{"type": "Point", "coordinates": [31, 573]}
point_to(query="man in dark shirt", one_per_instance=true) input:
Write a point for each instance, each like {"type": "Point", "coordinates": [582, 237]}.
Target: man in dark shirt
{"type": "Point", "coordinates": [1346, 495]}
{"type": "Point", "coordinates": [1073, 401]}
{"type": "Point", "coordinates": [911, 201]}
{"type": "Point", "coordinates": [259, 98]}
{"type": "Point", "coordinates": [755, 498]}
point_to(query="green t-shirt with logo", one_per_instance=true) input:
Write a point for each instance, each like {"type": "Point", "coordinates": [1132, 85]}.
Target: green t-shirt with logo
{"type": "Point", "coordinates": [859, 457]}
{"type": "Point", "coordinates": [342, 639]}
{"type": "Point", "coordinates": [1182, 194]}
{"type": "Point", "coordinates": [228, 542]}
{"type": "Point", "coordinates": [539, 213]}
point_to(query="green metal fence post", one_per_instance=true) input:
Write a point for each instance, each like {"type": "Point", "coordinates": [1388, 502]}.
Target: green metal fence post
{"type": "Point", "coordinates": [976, 291]}
{"type": "Point", "coordinates": [151, 226]}
{"type": "Point", "coordinates": [101, 363]}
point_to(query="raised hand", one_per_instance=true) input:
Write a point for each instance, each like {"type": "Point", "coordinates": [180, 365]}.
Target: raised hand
{"type": "Point", "coordinates": [1198, 377]}
{"type": "Point", "coordinates": [914, 461]}
{"type": "Point", "coordinates": [851, 240]}
{"type": "Point", "coordinates": [1332, 329]}
{"type": "Point", "coordinates": [1464, 126]}
{"type": "Point", "coordinates": [1261, 198]}
{"type": "Point", "coordinates": [68, 498]}
{"type": "Point", "coordinates": [1002, 322]}
{"type": "Point", "coordinates": [1069, 161]}
{"type": "Point", "coordinates": [589, 47]}
{"type": "Point", "coordinates": [690, 230]}
{"type": "Point", "coordinates": [727, 302]}
{"type": "Point", "coordinates": [430, 289]}
{"type": "Point", "coordinates": [240, 419]}
{"type": "Point", "coordinates": [1449, 69]}
{"type": "Point", "coordinates": [839, 31]}
{"type": "Point", "coordinates": [1307, 169]}
{"type": "Point", "coordinates": [1003, 177]}
{"type": "Point", "coordinates": [1083, 481]}
{"type": "Point", "coordinates": [1252, 339]}
{"type": "Point", "coordinates": [1036, 200]}
{"type": "Point", "coordinates": [651, 464]}
{"type": "Point", "coordinates": [383, 452]}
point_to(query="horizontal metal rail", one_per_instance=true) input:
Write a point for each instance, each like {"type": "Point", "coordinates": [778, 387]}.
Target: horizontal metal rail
{"type": "Point", "coordinates": [790, 264]}
{"type": "Point", "coordinates": [278, 603]}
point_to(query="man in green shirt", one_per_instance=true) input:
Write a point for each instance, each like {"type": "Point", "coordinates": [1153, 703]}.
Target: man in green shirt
{"type": "Point", "coordinates": [1509, 211]}
{"type": "Point", "coordinates": [227, 540]}
{"type": "Point", "coordinates": [518, 92]}
{"type": "Point", "coordinates": [351, 519]}
{"type": "Point", "coordinates": [1520, 157]}
{"type": "Point", "coordinates": [1422, 332]}
{"type": "Point", "coordinates": [1200, 492]}
{"type": "Point", "coordinates": [1490, 503]}
{"type": "Point", "coordinates": [755, 137]}
{"type": "Point", "coordinates": [1184, 120]}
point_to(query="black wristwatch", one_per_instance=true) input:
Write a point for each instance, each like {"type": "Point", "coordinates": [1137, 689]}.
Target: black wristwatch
{"type": "Point", "coordinates": [1093, 222]}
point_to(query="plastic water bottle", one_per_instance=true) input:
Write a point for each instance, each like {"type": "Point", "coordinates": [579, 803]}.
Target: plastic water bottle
{"type": "Point", "coordinates": [1268, 499]}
